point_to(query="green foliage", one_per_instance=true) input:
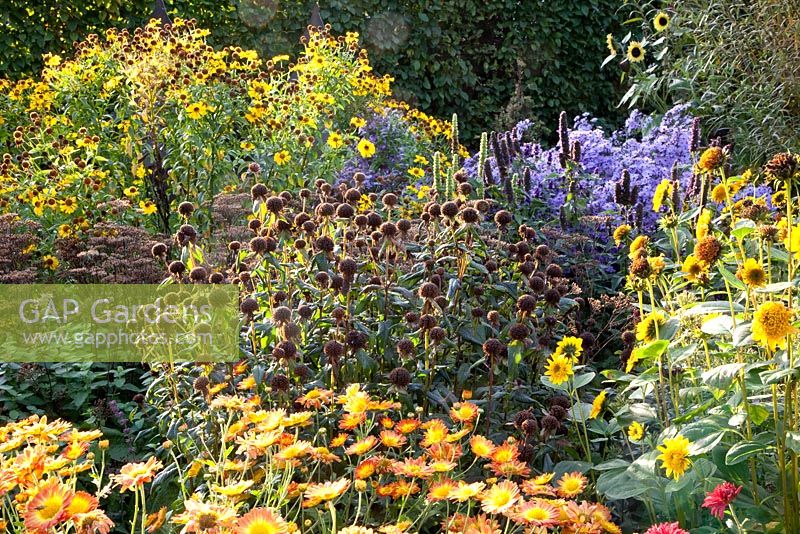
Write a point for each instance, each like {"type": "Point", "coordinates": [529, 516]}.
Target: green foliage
{"type": "Point", "coordinates": [448, 56]}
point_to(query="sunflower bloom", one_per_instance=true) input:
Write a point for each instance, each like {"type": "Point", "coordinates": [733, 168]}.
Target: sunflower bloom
{"type": "Point", "coordinates": [661, 21]}
{"type": "Point", "coordinates": [752, 273]}
{"type": "Point", "coordinates": [559, 368]}
{"type": "Point", "coordinates": [772, 323]}
{"type": "Point", "coordinates": [635, 52]}
{"type": "Point", "coordinates": [635, 431]}
{"type": "Point", "coordinates": [597, 405]}
{"type": "Point", "coordinates": [675, 456]}
{"type": "Point", "coordinates": [648, 328]}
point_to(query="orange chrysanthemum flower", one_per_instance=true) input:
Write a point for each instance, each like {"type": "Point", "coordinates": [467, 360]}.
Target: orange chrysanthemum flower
{"type": "Point", "coordinates": [134, 475]}
{"type": "Point", "coordinates": [500, 498]}
{"type": "Point", "coordinates": [463, 412]}
{"type": "Point", "coordinates": [48, 507]}
{"type": "Point", "coordinates": [481, 447]}
{"type": "Point", "coordinates": [261, 521]}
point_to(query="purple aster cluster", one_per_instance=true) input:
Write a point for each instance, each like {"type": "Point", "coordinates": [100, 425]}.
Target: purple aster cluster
{"type": "Point", "coordinates": [647, 146]}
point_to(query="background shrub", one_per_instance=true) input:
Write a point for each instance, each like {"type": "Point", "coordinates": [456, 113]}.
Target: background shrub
{"type": "Point", "coordinates": [447, 56]}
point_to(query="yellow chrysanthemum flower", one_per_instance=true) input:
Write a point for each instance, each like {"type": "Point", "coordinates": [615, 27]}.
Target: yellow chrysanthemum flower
{"type": "Point", "coordinates": [621, 232]}
{"type": "Point", "coordinates": [635, 431]}
{"type": "Point", "coordinates": [772, 323]}
{"type": "Point", "coordinates": [675, 456]}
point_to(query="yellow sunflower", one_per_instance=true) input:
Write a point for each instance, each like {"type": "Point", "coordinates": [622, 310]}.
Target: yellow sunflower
{"type": "Point", "coordinates": [635, 431]}
{"type": "Point", "coordinates": [752, 273]}
{"type": "Point", "coordinates": [559, 368]}
{"type": "Point", "coordinates": [648, 327]}
{"type": "Point", "coordinates": [635, 52]}
{"type": "Point", "coordinates": [661, 21]}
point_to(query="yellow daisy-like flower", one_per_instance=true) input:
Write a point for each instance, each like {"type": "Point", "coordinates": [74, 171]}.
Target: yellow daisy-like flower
{"type": "Point", "coordinates": [68, 205]}
{"type": "Point", "coordinates": [621, 233]}
{"type": "Point", "coordinates": [335, 140]}
{"type": "Point", "coordinates": [261, 521]}
{"type": "Point", "coordinates": [64, 230]}
{"type": "Point", "coordinates": [772, 323]}
{"type": "Point", "coordinates": [147, 207]}
{"type": "Point", "coordinates": [50, 262]}
{"type": "Point", "coordinates": [366, 148]}
{"type": "Point", "coordinates": [416, 172]}
{"type": "Point", "coordinates": [675, 456]}
{"type": "Point", "coordinates": [752, 273]}
{"type": "Point", "coordinates": [661, 21]}
{"type": "Point", "coordinates": [635, 431]}
{"type": "Point", "coordinates": [559, 368]}
{"type": "Point", "coordinates": [131, 191]}
{"type": "Point", "coordinates": [197, 110]}
{"type": "Point", "coordinates": [648, 327]}
{"type": "Point", "coordinates": [571, 485]}
{"type": "Point", "coordinates": [282, 158]}
{"type": "Point", "coordinates": [326, 491]}
{"type": "Point", "coordinates": [570, 346]}
{"type": "Point", "coordinates": [420, 160]}
{"type": "Point", "coordinates": [719, 194]}
{"type": "Point", "coordinates": [791, 240]}
{"type": "Point", "coordinates": [635, 52]}
{"type": "Point", "coordinates": [696, 270]}
{"type": "Point", "coordinates": [500, 498]}
{"type": "Point", "coordinates": [663, 192]}
{"type": "Point", "coordinates": [357, 122]}
{"type": "Point", "coordinates": [597, 405]}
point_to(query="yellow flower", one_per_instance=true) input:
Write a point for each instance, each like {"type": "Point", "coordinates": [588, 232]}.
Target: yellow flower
{"type": "Point", "coordinates": [571, 485]}
{"type": "Point", "coordinates": [772, 324]}
{"type": "Point", "coordinates": [261, 521]}
{"type": "Point", "coordinates": [752, 273]}
{"type": "Point", "coordinates": [420, 160]}
{"type": "Point", "coordinates": [635, 52]}
{"type": "Point", "coordinates": [326, 491]}
{"type": "Point", "coordinates": [719, 194]}
{"type": "Point", "coordinates": [416, 172]}
{"type": "Point", "coordinates": [663, 192]}
{"type": "Point", "coordinates": [366, 148]}
{"type": "Point", "coordinates": [50, 262]}
{"type": "Point", "coordinates": [197, 110]}
{"type": "Point", "coordinates": [637, 245]}
{"type": "Point", "coordinates": [64, 230]}
{"type": "Point", "coordinates": [661, 21]}
{"type": "Point", "coordinates": [675, 456]}
{"type": "Point", "coordinates": [712, 158]}
{"type": "Point", "coordinates": [283, 157]}
{"type": "Point", "coordinates": [703, 224]}
{"type": "Point", "coordinates": [621, 232]}
{"type": "Point", "coordinates": [559, 368]}
{"type": "Point", "coordinates": [635, 431]}
{"type": "Point", "coordinates": [792, 241]}
{"type": "Point", "coordinates": [647, 328]}
{"type": "Point", "coordinates": [696, 270]}
{"type": "Point", "coordinates": [69, 205]}
{"type": "Point", "coordinates": [597, 405]}
{"type": "Point", "coordinates": [358, 122]}
{"type": "Point", "coordinates": [131, 191]}
{"type": "Point", "coordinates": [633, 359]}
{"type": "Point", "coordinates": [147, 207]}
{"type": "Point", "coordinates": [335, 140]}
{"type": "Point", "coordinates": [612, 50]}
{"type": "Point", "coordinates": [247, 145]}
{"type": "Point", "coordinates": [500, 498]}
{"type": "Point", "coordinates": [570, 346]}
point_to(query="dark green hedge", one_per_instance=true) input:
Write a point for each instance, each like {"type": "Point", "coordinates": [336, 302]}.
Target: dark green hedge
{"type": "Point", "coordinates": [447, 56]}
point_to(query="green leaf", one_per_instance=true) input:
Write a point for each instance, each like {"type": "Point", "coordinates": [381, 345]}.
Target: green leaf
{"type": "Point", "coordinates": [741, 451]}
{"type": "Point", "coordinates": [617, 486]}
{"type": "Point", "coordinates": [722, 376]}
